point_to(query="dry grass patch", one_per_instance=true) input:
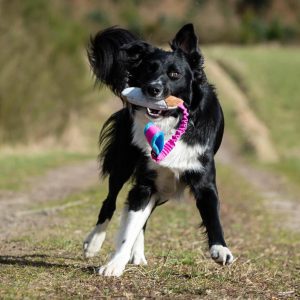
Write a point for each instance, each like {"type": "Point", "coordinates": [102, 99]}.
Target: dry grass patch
{"type": "Point", "coordinates": [47, 262]}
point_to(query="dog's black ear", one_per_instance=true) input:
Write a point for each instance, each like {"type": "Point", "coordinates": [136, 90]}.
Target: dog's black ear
{"type": "Point", "coordinates": [134, 52]}
{"type": "Point", "coordinates": [186, 40]}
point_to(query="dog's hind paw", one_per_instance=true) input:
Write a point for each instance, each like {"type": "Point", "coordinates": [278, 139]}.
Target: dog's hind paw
{"type": "Point", "coordinates": [221, 255]}
{"type": "Point", "coordinates": [93, 242]}
{"type": "Point", "coordinates": [138, 259]}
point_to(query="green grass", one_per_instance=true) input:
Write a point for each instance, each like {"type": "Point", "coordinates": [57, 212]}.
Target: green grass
{"type": "Point", "coordinates": [47, 263]}
{"type": "Point", "coordinates": [269, 76]}
{"type": "Point", "coordinates": [17, 170]}
{"type": "Point", "coordinates": [39, 99]}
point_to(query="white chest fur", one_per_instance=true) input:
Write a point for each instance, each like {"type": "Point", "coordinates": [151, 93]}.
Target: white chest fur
{"type": "Point", "coordinates": [183, 157]}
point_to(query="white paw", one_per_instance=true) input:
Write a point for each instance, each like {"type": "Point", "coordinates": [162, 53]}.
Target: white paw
{"type": "Point", "coordinates": [138, 259]}
{"type": "Point", "coordinates": [93, 242]}
{"type": "Point", "coordinates": [221, 254]}
{"type": "Point", "coordinates": [115, 267]}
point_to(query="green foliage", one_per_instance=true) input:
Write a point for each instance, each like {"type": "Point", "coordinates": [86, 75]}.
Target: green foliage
{"type": "Point", "coordinates": [255, 29]}
{"type": "Point", "coordinates": [42, 69]}
{"type": "Point", "coordinates": [98, 17]}
{"type": "Point", "coordinates": [163, 28]}
{"type": "Point", "coordinates": [129, 15]}
{"type": "Point", "coordinates": [244, 21]}
{"type": "Point", "coordinates": [44, 77]}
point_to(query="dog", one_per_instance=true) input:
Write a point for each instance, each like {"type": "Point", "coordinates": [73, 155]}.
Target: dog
{"type": "Point", "coordinates": [119, 60]}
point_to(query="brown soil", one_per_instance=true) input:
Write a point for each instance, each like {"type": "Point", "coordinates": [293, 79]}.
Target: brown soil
{"type": "Point", "coordinates": [273, 188]}
{"type": "Point", "coordinates": [253, 128]}
{"type": "Point", "coordinates": [15, 208]}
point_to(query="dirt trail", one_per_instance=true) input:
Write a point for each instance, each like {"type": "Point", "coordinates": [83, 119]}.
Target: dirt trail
{"type": "Point", "coordinates": [16, 212]}
{"type": "Point", "coordinates": [272, 187]}
{"type": "Point", "coordinates": [15, 208]}
{"type": "Point", "coordinates": [253, 128]}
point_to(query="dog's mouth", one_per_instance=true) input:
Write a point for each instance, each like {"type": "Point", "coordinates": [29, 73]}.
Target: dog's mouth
{"type": "Point", "coordinates": [154, 113]}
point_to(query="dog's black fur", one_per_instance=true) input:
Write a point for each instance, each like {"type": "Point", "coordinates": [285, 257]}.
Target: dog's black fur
{"type": "Point", "coordinates": [119, 60]}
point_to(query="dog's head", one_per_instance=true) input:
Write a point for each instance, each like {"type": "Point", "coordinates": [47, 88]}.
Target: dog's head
{"type": "Point", "coordinates": [162, 73]}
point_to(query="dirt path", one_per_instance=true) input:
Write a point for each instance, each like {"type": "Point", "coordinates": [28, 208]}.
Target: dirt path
{"type": "Point", "coordinates": [272, 187]}
{"type": "Point", "coordinates": [16, 213]}
{"type": "Point", "coordinates": [16, 209]}
{"type": "Point", "coordinates": [253, 128]}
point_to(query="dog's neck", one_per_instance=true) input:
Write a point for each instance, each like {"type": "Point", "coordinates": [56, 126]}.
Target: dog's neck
{"type": "Point", "coordinates": [167, 124]}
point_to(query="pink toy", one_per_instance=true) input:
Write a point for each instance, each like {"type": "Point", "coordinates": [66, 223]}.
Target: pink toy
{"type": "Point", "coordinates": [155, 137]}
{"type": "Point", "coordinates": [153, 133]}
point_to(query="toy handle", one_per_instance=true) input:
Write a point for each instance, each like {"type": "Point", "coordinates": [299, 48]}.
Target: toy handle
{"type": "Point", "coordinates": [155, 137]}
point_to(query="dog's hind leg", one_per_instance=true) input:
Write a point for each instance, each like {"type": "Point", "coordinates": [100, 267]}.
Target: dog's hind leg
{"type": "Point", "coordinates": [137, 256]}
{"type": "Point", "coordinates": [138, 250]}
{"type": "Point", "coordinates": [118, 159]}
{"type": "Point", "coordinates": [133, 220]}
{"type": "Point", "coordinates": [93, 242]}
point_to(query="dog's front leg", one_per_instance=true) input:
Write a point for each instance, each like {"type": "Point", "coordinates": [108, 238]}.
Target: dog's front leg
{"type": "Point", "coordinates": [132, 223]}
{"type": "Point", "coordinates": [205, 192]}
{"type": "Point", "coordinates": [207, 203]}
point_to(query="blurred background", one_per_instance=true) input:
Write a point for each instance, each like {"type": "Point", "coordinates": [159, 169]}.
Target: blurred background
{"type": "Point", "coordinates": [47, 94]}
{"type": "Point", "coordinates": [46, 87]}
{"type": "Point", "coordinates": [51, 111]}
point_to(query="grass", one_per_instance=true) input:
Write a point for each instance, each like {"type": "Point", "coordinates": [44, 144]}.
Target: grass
{"type": "Point", "coordinates": [18, 169]}
{"type": "Point", "coordinates": [269, 77]}
{"type": "Point", "coordinates": [39, 99]}
{"type": "Point", "coordinates": [44, 260]}
{"type": "Point", "coordinates": [48, 264]}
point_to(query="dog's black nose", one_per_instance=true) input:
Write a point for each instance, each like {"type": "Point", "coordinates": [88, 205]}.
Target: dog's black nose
{"type": "Point", "coordinates": [155, 90]}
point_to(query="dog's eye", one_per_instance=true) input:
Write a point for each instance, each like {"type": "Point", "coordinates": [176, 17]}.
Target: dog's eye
{"type": "Point", "coordinates": [174, 75]}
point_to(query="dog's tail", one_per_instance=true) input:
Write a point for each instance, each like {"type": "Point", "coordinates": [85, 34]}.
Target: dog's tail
{"type": "Point", "coordinates": [105, 57]}
{"type": "Point", "coordinates": [118, 156]}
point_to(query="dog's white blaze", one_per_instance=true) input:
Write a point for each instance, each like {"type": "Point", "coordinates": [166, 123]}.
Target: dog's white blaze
{"type": "Point", "coordinates": [133, 224]}
{"type": "Point", "coordinates": [93, 242]}
{"type": "Point", "coordinates": [183, 157]}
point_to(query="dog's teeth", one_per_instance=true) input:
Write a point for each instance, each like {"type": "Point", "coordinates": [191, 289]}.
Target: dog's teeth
{"type": "Point", "coordinates": [154, 112]}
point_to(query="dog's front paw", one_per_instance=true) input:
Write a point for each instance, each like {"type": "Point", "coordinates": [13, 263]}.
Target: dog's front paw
{"type": "Point", "coordinates": [93, 242]}
{"type": "Point", "coordinates": [221, 254]}
{"type": "Point", "coordinates": [115, 267]}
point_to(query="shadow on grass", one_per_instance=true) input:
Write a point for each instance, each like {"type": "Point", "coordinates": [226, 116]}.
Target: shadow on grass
{"type": "Point", "coordinates": [28, 261]}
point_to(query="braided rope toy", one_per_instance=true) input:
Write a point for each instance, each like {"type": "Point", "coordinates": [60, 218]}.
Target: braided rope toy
{"type": "Point", "coordinates": [154, 135]}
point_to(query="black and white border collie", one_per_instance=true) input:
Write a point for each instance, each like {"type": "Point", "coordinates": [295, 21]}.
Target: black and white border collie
{"type": "Point", "coordinates": [119, 60]}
